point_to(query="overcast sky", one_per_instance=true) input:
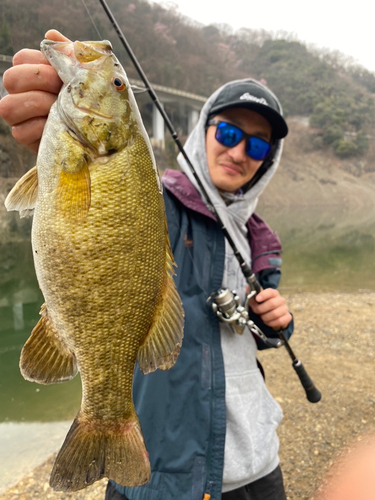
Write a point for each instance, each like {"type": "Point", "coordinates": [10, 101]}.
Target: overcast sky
{"type": "Point", "coordinates": [338, 25]}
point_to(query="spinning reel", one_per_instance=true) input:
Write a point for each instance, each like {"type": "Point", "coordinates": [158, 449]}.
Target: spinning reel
{"type": "Point", "coordinates": [227, 307]}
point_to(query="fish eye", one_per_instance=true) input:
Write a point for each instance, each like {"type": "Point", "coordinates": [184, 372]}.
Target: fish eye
{"type": "Point", "coordinates": [118, 83]}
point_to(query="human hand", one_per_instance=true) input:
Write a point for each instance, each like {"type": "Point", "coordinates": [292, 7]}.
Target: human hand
{"type": "Point", "coordinates": [33, 86]}
{"type": "Point", "coordinates": [271, 308]}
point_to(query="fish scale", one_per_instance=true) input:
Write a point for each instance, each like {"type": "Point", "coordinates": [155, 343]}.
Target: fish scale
{"type": "Point", "coordinates": [103, 262]}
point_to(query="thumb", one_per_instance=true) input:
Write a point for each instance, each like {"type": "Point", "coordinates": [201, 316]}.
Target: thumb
{"type": "Point", "coordinates": [56, 36]}
{"type": "Point", "coordinates": [252, 303]}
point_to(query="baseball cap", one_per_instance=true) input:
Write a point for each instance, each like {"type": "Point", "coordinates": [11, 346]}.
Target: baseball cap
{"type": "Point", "coordinates": [252, 95]}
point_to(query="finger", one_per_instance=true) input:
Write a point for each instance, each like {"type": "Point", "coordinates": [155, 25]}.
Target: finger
{"type": "Point", "coordinates": [17, 108]}
{"type": "Point", "coordinates": [30, 132]}
{"type": "Point", "coordinates": [34, 147]}
{"type": "Point", "coordinates": [274, 314]}
{"type": "Point", "coordinates": [281, 323]}
{"type": "Point", "coordinates": [252, 302]}
{"type": "Point", "coordinates": [29, 56]}
{"type": "Point", "coordinates": [56, 36]}
{"type": "Point", "coordinates": [267, 293]}
{"type": "Point", "coordinates": [254, 306]}
{"type": "Point", "coordinates": [31, 77]}
{"type": "Point", "coordinates": [270, 304]}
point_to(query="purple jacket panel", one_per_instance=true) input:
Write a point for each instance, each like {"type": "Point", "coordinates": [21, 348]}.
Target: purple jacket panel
{"type": "Point", "coordinates": [179, 185]}
{"type": "Point", "coordinates": [264, 243]}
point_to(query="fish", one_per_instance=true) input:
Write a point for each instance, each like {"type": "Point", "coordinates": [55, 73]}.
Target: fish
{"type": "Point", "coordinates": [103, 261]}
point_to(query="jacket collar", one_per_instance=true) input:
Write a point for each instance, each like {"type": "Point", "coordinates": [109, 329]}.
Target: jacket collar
{"type": "Point", "coordinates": [179, 185]}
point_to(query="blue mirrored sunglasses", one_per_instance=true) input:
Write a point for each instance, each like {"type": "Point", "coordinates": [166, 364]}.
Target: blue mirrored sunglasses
{"type": "Point", "coordinates": [229, 135]}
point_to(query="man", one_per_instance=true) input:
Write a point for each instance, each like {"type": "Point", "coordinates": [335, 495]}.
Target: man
{"type": "Point", "coordinates": [209, 422]}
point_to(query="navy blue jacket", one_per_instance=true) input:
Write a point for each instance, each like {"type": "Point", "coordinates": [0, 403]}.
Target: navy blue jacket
{"type": "Point", "coordinates": [182, 410]}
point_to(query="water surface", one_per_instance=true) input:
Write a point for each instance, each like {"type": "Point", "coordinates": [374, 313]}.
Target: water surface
{"type": "Point", "coordinates": [328, 249]}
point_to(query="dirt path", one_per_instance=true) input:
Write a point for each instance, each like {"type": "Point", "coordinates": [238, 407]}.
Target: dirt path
{"type": "Point", "coordinates": [334, 339]}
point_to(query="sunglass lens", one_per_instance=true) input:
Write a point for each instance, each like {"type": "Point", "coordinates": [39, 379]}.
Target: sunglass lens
{"type": "Point", "coordinates": [257, 148]}
{"type": "Point", "coordinates": [228, 134]}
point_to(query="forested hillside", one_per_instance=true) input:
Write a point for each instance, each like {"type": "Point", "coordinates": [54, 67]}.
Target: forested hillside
{"type": "Point", "coordinates": [336, 95]}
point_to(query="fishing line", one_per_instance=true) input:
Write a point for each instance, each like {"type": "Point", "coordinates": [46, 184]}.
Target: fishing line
{"type": "Point", "coordinates": [92, 20]}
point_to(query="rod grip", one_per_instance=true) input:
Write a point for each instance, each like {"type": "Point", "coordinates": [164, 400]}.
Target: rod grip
{"type": "Point", "coordinates": [312, 393]}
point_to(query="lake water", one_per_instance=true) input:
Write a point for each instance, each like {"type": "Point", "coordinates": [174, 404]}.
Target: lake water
{"type": "Point", "coordinates": [323, 250]}
{"type": "Point", "coordinates": [326, 249]}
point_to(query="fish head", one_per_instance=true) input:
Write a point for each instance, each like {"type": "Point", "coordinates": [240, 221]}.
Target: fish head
{"type": "Point", "coordinates": [95, 102]}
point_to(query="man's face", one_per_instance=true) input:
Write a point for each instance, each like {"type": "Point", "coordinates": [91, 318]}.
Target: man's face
{"type": "Point", "coordinates": [231, 168]}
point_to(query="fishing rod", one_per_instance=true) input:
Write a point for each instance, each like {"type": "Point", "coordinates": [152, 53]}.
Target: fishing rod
{"type": "Point", "coordinates": [239, 318]}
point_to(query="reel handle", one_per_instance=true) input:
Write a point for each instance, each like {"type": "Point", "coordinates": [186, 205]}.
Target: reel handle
{"type": "Point", "coordinates": [312, 393]}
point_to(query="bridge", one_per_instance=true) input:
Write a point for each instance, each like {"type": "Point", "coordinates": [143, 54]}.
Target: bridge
{"type": "Point", "coordinates": [182, 107]}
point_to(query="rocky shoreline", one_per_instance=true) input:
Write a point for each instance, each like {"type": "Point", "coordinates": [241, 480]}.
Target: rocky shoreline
{"type": "Point", "coordinates": [334, 339]}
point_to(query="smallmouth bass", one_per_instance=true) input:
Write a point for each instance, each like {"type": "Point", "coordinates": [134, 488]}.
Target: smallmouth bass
{"type": "Point", "coordinates": [103, 262]}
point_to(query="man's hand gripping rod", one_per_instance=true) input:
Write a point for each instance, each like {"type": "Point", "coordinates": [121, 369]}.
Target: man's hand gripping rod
{"type": "Point", "coordinates": [312, 393]}
{"type": "Point", "coordinates": [226, 305]}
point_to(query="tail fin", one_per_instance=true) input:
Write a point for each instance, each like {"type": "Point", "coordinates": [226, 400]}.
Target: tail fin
{"type": "Point", "coordinates": [93, 450]}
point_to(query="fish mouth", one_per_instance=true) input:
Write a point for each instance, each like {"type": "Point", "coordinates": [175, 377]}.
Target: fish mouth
{"type": "Point", "coordinates": [66, 56]}
{"type": "Point", "coordinates": [61, 56]}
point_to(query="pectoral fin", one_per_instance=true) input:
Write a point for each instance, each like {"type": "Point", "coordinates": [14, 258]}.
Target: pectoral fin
{"type": "Point", "coordinates": [73, 196]}
{"type": "Point", "coordinates": [24, 194]}
{"type": "Point", "coordinates": [73, 192]}
{"type": "Point", "coordinates": [45, 358]}
{"type": "Point", "coordinates": [163, 342]}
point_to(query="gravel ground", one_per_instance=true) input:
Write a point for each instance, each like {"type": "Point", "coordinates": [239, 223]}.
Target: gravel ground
{"type": "Point", "coordinates": [333, 338]}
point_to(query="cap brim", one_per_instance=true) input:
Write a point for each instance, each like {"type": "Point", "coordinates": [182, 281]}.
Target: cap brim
{"type": "Point", "coordinates": [278, 124]}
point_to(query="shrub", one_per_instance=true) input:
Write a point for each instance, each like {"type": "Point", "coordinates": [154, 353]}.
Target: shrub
{"type": "Point", "coordinates": [332, 134]}
{"type": "Point", "coordinates": [345, 149]}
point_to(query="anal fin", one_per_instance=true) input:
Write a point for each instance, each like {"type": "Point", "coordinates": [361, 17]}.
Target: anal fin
{"type": "Point", "coordinates": [163, 342]}
{"type": "Point", "coordinates": [45, 358]}
{"type": "Point", "coordinates": [24, 193]}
